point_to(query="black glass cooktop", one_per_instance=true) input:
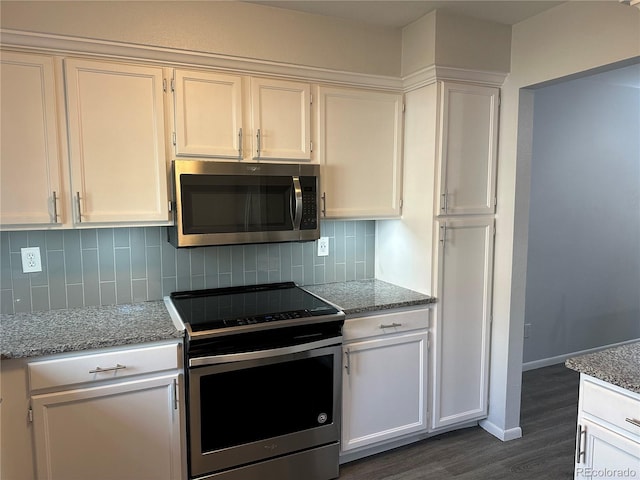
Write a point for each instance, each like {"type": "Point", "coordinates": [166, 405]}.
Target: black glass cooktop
{"type": "Point", "coordinates": [220, 308]}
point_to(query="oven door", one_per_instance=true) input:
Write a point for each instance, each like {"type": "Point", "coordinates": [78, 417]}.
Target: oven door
{"type": "Point", "coordinates": [264, 405]}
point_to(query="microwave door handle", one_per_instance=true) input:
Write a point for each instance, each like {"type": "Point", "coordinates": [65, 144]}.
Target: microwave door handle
{"type": "Point", "coordinates": [247, 211]}
{"type": "Point", "coordinates": [296, 216]}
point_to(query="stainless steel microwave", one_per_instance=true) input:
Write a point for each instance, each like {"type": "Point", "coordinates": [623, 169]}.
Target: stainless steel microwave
{"type": "Point", "coordinates": [218, 203]}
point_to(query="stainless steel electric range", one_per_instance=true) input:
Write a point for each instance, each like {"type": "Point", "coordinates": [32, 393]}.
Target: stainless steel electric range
{"type": "Point", "coordinates": [263, 367]}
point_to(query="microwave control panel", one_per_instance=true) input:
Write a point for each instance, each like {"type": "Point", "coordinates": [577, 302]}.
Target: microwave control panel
{"type": "Point", "coordinates": [309, 203]}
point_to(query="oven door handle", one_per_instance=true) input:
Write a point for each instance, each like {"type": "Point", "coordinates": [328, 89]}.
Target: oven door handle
{"type": "Point", "coordinates": [275, 352]}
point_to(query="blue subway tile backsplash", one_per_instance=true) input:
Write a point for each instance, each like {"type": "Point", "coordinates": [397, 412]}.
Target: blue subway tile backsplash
{"type": "Point", "coordinates": [128, 265]}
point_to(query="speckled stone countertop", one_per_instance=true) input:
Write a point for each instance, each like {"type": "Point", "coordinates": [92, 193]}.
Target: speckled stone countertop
{"type": "Point", "coordinates": [75, 329]}
{"type": "Point", "coordinates": [617, 365]}
{"type": "Point", "coordinates": [362, 296]}
{"type": "Point", "coordinates": [59, 331]}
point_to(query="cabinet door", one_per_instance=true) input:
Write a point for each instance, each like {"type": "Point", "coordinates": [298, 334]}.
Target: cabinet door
{"type": "Point", "coordinates": [280, 119]}
{"type": "Point", "coordinates": [468, 149]}
{"type": "Point", "coordinates": [602, 453]}
{"type": "Point", "coordinates": [123, 430]}
{"type": "Point", "coordinates": [29, 155]}
{"type": "Point", "coordinates": [359, 142]}
{"type": "Point", "coordinates": [383, 393]}
{"type": "Point", "coordinates": [116, 142]}
{"type": "Point", "coordinates": [208, 114]}
{"type": "Point", "coordinates": [461, 343]}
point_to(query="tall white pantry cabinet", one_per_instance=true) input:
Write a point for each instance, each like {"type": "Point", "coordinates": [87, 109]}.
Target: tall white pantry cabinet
{"type": "Point", "coordinates": [444, 244]}
{"type": "Point", "coordinates": [463, 251]}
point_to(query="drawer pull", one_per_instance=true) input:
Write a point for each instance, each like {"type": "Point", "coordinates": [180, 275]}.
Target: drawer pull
{"type": "Point", "coordinates": [110, 369]}
{"type": "Point", "coordinates": [633, 421]}
{"type": "Point", "coordinates": [393, 325]}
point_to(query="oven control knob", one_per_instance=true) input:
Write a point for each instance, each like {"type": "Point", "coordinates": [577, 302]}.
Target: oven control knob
{"type": "Point", "coordinates": [322, 418]}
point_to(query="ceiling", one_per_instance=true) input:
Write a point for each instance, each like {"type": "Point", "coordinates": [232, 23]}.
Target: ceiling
{"type": "Point", "coordinates": [398, 13]}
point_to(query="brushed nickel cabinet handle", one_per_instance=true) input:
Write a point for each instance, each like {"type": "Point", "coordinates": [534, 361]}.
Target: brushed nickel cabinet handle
{"type": "Point", "coordinates": [393, 325]}
{"type": "Point", "coordinates": [633, 421]}
{"type": "Point", "coordinates": [175, 394]}
{"type": "Point", "coordinates": [347, 365]}
{"type": "Point", "coordinates": [55, 207]}
{"type": "Point", "coordinates": [109, 369]}
{"type": "Point", "coordinates": [581, 452]}
{"type": "Point", "coordinates": [79, 207]}
{"type": "Point", "coordinates": [443, 234]}
{"type": "Point", "coordinates": [324, 204]}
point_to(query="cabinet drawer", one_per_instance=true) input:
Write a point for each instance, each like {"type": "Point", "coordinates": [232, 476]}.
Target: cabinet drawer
{"type": "Point", "coordinates": [386, 324]}
{"type": "Point", "coordinates": [615, 407]}
{"type": "Point", "coordinates": [95, 367]}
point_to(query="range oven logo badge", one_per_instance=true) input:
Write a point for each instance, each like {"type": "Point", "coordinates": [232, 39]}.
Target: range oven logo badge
{"type": "Point", "coordinates": [322, 418]}
{"type": "Point", "coordinates": [253, 168]}
{"type": "Point", "coordinates": [271, 446]}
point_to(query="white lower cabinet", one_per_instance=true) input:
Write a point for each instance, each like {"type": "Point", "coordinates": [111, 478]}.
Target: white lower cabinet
{"type": "Point", "coordinates": [608, 434]}
{"type": "Point", "coordinates": [460, 362]}
{"type": "Point", "coordinates": [606, 454]}
{"type": "Point", "coordinates": [384, 378]}
{"type": "Point", "coordinates": [123, 422]}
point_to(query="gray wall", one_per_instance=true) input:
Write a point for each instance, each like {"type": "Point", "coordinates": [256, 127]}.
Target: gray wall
{"type": "Point", "coordinates": [583, 266]}
{"type": "Point", "coordinates": [129, 265]}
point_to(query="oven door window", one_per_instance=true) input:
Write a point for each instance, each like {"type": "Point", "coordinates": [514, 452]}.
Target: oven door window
{"type": "Point", "coordinates": [243, 405]}
{"type": "Point", "coordinates": [235, 203]}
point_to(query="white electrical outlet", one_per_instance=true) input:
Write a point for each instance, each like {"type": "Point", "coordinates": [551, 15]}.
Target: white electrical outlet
{"type": "Point", "coordinates": [323, 246]}
{"type": "Point", "coordinates": [31, 261]}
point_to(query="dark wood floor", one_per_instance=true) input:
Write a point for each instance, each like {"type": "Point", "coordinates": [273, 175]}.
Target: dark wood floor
{"type": "Point", "coordinates": [545, 451]}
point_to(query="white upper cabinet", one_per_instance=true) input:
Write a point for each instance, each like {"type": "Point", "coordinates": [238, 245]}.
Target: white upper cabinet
{"type": "Point", "coordinates": [30, 184]}
{"type": "Point", "coordinates": [359, 148]}
{"type": "Point", "coordinates": [280, 119]}
{"type": "Point", "coordinates": [467, 149]}
{"type": "Point", "coordinates": [116, 142]}
{"type": "Point", "coordinates": [210, 121]}
{"type": "Point", "coordinates": [208, 114]}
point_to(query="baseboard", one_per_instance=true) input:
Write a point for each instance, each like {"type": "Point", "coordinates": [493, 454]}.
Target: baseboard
{"type": "Point", "coordinates": [499, 433]}
{"type": "Point", "coordinates": [546, 362]}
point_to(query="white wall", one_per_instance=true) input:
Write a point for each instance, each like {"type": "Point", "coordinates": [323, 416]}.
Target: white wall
{"type": "Point", "coordinates": [448, 40]}
{"type": "Point", "coordinates": [465, 42]}
{"type": "Point", "coordinates": [419, 44]}
{"type": "Point", "coordinates": [583, 273]}
{"type": "Point", "coordinates": [222, 27]}
{"type": "Point", "coordinates": [570, 38]}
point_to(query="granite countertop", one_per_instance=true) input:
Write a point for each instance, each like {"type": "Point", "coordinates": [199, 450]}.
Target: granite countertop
{"type": "Point", "coordinates": [362, 296]}
{"type": "Point", "coordinates": [75, 329]}
{"type": "Point", "coordinates": [617, 365]}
